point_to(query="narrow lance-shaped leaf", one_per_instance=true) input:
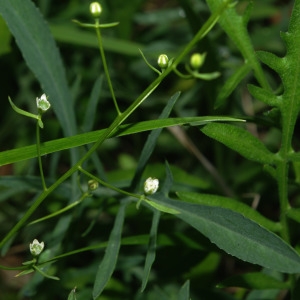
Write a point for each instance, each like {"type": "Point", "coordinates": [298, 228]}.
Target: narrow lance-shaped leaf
{"type": "Point", "coordinates": [27, 152]}
{"type": "Point", "coordinates": [235, 27]}
{"type": "Point", "coordinates": [151, 249]}
{"type": "Point", "coordinates": [236, 235]}
{"type": "Point", "coordinates": [151, 141]}
{"type": "Point", "coordinates": [240, 141]}
{"type": "Point", "coordinates": [107, 265]}
{"type": "Point", "coordinates": [37, 45]}
{"type": "Point", "coordinates": [184, 293]}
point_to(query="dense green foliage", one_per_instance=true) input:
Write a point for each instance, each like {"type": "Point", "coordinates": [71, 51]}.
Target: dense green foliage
{"type": "Point", "coordinates": [216, 130]}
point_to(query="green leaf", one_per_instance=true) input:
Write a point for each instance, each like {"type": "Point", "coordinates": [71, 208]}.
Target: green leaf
{"type": "Point", "coordinates": [231, 83]}
{"type": "Point", "coordinates": [108, 263]}
{"type": "Point", "coordinates": [72, 34]}
{"type": "Point", "coordinates": [150, 258]}
{"type": "Point", "coordinates": [151, 142]}
{"type": "Point", "coordinates": [184, 293]}
{"type": "Point", "coordinates": [15, 155]}
{"type": "Point", "coordinates": [162, 208]}
{"type": "Point", "coordinates": [236, 235]}
{"type": "Point", "coordinates": [232, 204]}
{"type": "Point", "coordinates": [5, 38]}
{"type": "Point", "coordinates": [235, 27]}
{"type": "Point", "coordinates": [256, 280]}
{"type": "Point", "coordinates": [294, 213]}
{"type": "Point", "coordinates": [241, 141]}
{"type": "Point", "coordinates": [72, 295]}
{"type": "Point", "coordinates": [42, 56]}
{"type": "Point", "coordinates": [91, 110]}
{"type": "Point", "coordinates": [264, 95]}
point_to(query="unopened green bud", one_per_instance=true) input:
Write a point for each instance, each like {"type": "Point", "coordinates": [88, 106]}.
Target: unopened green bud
{"type": "Point", "coordinates": [93, 185]}
{"type": "Point", "coordinates": [163, 61]}
{"type": "Point", "coordinates": [95, 9]}
{"type": "Point", "coordinates": [197, 60]}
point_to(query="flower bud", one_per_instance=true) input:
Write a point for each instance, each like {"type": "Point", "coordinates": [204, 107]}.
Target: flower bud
{"type": "Point", "coordinates": [42, 103]}
{"type": "Point", "coordinates": [197, 60]}
{"type": "Point", "coordinates": [93, 185]}
{"type": "Point", "coordinates": [151, 186]}
{"type": "Point", "coordinates": [95, 9]}
{"type": "Point", "coordinates": [163, 61]}
{"type": "Point", "coordinates": [36, 248]}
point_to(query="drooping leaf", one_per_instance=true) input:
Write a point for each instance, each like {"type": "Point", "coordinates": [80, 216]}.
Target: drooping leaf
{"type": "Point", "coordinates": [241, 141]}
{"type": "Point", "coordinates": [236, 235]}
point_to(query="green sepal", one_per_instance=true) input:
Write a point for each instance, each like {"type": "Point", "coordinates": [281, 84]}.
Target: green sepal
{"type": "Point", "coordinates": [21, 111]}
{"type": "Point", "coordinates": [107, 25]}
{"type": "Point", "coordinates": [25, 272]}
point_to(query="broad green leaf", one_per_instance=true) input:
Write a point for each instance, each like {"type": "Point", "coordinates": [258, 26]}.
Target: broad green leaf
{"type": "Point", "coordinates": [151, 142]}
{"type": "Point", "coordinates": [239, 207]}
{"type": "Point", "coordinates": [42, 56]}
{"type": "Point", "coordinates": [15, 155]}
{"type": "Point", "coordinates": [258, 281]}
{"type": "Point", "coordinates": [151, 253]}
{"type": "Point", "coordinates": [184, 293]}
{"type": "Point", "coordinates": [108, 263]}
{"type": "Point", "coordinates": [241, 141]}
{"type": "Point", "coordinates": [236, 235]}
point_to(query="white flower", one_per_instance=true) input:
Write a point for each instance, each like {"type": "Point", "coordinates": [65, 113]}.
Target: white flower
{"type": "Point", "coordinates": [36, 248]}
{"type": "Point", "coordinates": [42, 103]}
{"type": "Point", "coordinates": [151, 185]}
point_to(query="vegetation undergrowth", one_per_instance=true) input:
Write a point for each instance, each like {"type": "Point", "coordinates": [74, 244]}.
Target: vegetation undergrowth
{"type": "Point", "coordinates": [167, 169]}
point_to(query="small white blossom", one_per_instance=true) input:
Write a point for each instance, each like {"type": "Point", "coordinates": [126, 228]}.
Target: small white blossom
{"type": "Point", "coordinates": [151, 185]}
{"type": "Point", "coordinates": [36, 248]}
{"type": "Point", "coordinates": [42, 103]}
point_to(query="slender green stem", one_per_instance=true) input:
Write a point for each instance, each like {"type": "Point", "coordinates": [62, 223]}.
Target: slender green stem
{"type": "Point", "coordinates": [105, 66]}
{"type": "Point", "coordinates": [117, 122]}
{"type": "Point", "coordinates": [106, 184]}
{"type": "Point", "coordinates": [44, 274]}
{"type": "Point", "coordinates": [68, 207]}
{"type": "Point", "coordinates": [38, 148]}
{"type": "Point", "coordinates": [282, 171]}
